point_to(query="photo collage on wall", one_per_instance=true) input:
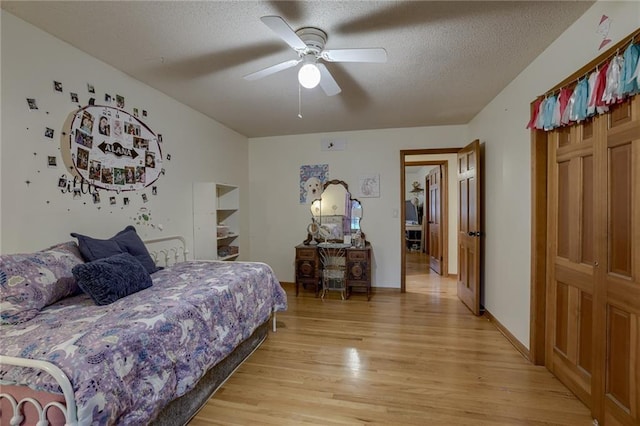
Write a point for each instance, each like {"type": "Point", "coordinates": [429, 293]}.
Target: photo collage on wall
{"type": "Point", "coordinates": [113, 150]}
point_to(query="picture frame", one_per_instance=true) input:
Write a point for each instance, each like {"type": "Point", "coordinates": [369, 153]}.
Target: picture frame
{"type": "Point", "coordinates": [368, 186]}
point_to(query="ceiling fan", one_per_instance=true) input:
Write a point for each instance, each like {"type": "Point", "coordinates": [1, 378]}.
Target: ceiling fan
{"type": "Point", "coordinates": [308, 42]}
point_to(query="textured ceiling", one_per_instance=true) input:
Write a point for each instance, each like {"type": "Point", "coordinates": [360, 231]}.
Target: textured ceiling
{"type": "Point", "coordinates": [446, 60]}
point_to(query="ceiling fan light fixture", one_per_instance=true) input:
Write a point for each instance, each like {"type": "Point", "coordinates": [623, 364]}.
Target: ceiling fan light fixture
{"type": "Point", "coordinates": [309, 76]}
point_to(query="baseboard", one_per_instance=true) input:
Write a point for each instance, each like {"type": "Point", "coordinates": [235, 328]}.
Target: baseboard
{"type": "Point", "coordinates": [292, 286]}
{"type": "Point", "coordinates": [454, 276]}
{"type": "Point", "coordinates": [385, 290]}
{"type": "Point", "coordinates": [288, 285]}
{"type": "Point", "coordinates": [510, 337]}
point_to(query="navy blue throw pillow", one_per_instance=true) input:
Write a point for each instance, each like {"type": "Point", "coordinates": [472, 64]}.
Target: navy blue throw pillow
{"type": "Point", "coordinates": [112, 278]}
{"type": "Point", "coordinates": [125, 241]}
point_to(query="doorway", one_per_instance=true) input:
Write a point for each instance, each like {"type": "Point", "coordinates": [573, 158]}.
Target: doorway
{"type": "Point", "coordinates": [427, 196]}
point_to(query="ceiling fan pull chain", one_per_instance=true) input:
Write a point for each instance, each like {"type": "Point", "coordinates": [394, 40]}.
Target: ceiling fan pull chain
{"type": "Point", "coordinates": [299, 101]}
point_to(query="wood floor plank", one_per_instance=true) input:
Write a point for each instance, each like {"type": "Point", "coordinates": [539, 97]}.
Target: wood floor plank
{"type": "Point", "coordinates": [400, 359]}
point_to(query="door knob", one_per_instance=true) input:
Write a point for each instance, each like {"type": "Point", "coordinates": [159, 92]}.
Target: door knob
{"type": "Point", "coordinates": [471, 234]}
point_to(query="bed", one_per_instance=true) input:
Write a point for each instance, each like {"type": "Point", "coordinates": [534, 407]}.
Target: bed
{"type": "Point", "coordinates": [152, 357]}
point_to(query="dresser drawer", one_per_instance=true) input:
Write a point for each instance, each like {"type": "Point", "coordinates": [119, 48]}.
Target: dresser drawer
{"type": "Point", "coordinates": [306, 269]}
{"type": "Point", "coordinates": [306, 253]}
{"type": "Point", "coordinates": [357, 254]}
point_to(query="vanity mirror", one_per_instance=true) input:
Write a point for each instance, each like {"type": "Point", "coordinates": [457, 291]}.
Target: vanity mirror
{"type": "Point", "coordinates": [335, 216]}
{"type": "Point", "coordinates": [335, 255]}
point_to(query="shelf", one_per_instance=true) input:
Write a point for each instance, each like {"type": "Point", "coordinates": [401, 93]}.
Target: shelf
{"type": "Point", "coordinates": [231, 256]}
{"type": "Point", "coordinates": [228, 237]}
{"type": "Point", "coordinates": [215, 205]}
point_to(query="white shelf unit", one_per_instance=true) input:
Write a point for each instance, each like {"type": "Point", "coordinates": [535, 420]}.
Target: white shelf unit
{"type": "Point", "coordinates": [215, 204]}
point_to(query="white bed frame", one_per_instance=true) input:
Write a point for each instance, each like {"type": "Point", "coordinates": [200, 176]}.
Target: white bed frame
{"type": "Point", "coordinates": [164, 251]}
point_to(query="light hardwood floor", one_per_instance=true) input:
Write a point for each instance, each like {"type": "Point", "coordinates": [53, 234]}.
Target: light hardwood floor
{"type": "Point", "coordinates": [418, 358]}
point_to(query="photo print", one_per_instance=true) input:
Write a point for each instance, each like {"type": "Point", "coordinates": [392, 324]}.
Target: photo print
{"type": "Point", "coordinates": [74, 97]}
{"type": "Point", "coordinates": [106, 175]}
{"type": "Point", "coordinates": [32, 103]}
{"type": "Point", "coordinates": [94, 170]}
{"type": "Point", "coordinates": [84, 139]}
{"type": "Point", "coordinates": [150, 159]}
{"type": "Point", "coordinates": [140, 143]}
{"type": "Point", "coordinates": [159, 138]}
{"type": "Point", "coordinates": [52, 161]}
{"type": "Point", "coordinates": [57, 86]}
{"type": "Point", "coordinates": [82, 159]}
{"type": "Point", "coordinates": [312, 178]}
{"type": "Point", "coordinates": [135, 112]}
{"type": "Point", "coordinates": [140, 175]}
{"type": "Point", "coordinates": [117, 128]}
{"type": "Point", "coordinates": [168, 157]}
{"type": "Point", "coordinates": [118, 176]}
{"type": "Point", "coordinates": [77, 194]}
{"type": "Point", "coordinates": [62, 181]}
{"type": "Point", "coordinates": [96, 197]}
{"type": "Point", "coordinates": [144, 112]}
{"type": "Point", "coordinates": [120, 101]}
{"type": "Point", "coordinates": [144, 198]}
{"type": "Point", "coordinates": [107, 98]}
{"type": "Point", "coordinates": [129, 174]}
{"type": "Point", "coordinates": [90, 88]}
{"type": "Point", "coordinates": [132, 129]}
{"type": "Point", "coordinates": [86, 124]}
{"type": "Point", "coordinates": [125, 201]}
{"type": "Point", "coordinates": [48, 133]}
{"type": "Point", "coordinates": [92, 101]}
{"type": "Point", "coordinates": [154, 190]}
{"type": "Point", "coordinates": [112, 201]}
{"type": "Point", "coordinates": [103, 126]}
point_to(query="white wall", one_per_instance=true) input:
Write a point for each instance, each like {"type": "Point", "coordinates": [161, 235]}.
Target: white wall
{"type": "Point", "coordinates": [278, 222]}
{"type": "Point", "coordinates": [38, 215]}
{"type": "Point", "coordinates": [501, 126]}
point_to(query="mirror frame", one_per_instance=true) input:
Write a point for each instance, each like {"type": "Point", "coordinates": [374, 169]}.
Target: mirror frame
{"type": "Point", "coordinates": [310, 237]}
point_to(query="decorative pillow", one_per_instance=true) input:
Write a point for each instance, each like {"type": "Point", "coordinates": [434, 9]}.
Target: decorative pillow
{"type": "Point", "coordinates": [125, 241]}
{"type": "Point", "coordinates": [31, 281]}
{"type": "Point", "coordinates": [109, 279]}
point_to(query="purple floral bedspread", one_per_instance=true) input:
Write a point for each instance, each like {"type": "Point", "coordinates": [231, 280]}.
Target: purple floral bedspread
{"type": "Point", "coordinates": [128, 359]}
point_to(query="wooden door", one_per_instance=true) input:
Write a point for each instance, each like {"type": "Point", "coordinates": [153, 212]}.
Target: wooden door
{"type": "Point", "coordinates": [593, 277]}
{"type": "Point", "coordinates": [570, 288]}
{"type": "Point", "coordinates": [469, 232]}
{"type": "Point", "coordinates": [617, 314]}
{"type": "Point", "coordinates": [434, 228]}
{"type": "Point", "coordinates": [425, 219]}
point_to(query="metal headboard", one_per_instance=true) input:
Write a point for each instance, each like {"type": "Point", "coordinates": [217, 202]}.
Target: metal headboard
{"type": "Point", "coordinates": [167, 251]}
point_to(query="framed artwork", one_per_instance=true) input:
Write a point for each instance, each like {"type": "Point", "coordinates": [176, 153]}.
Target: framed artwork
{"type": "Point", "coordinates": [312, 178]}
{"type": "Point", "coordinates": [368, 186]}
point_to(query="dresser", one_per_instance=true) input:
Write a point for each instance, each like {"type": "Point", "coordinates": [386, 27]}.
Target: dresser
{"type": "Point", "coordinates": [357, 269]}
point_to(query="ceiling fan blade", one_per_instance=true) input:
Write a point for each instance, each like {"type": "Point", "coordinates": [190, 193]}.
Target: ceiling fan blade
{"type": "Point", "coordinates": [377, 54]}
{"type": "Point", "coordinates": [284, 31]}
{"type": "Point", "coordinates": [272, 69]}
{"type": "Point", "coordinates": [327, 81]}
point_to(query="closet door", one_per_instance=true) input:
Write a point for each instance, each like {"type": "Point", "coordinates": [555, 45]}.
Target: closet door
{"type": "Point", "coordinates": [617, 315]}
{"type": "Point", "coordinates": [593, 264]}
{"type": "Point", "coordinates": [570, 278]}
